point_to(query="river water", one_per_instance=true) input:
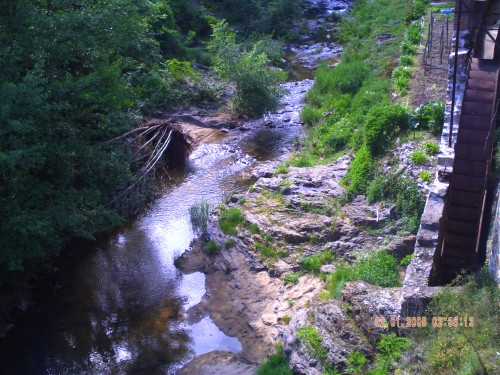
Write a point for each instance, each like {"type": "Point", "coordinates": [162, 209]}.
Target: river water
{"type": "Point", "coordinates": [118, 306]}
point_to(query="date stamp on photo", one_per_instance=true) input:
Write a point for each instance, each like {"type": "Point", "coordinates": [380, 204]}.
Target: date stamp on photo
{"type": "Point", "coordinates": [422, 321]}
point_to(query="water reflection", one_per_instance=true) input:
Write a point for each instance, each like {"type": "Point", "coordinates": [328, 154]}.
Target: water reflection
{"type": "Point", "coordinates": [118, 307]}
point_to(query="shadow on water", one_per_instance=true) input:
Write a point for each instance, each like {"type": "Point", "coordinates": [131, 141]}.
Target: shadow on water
{"type": "Point", "coordinates": [118, 306]}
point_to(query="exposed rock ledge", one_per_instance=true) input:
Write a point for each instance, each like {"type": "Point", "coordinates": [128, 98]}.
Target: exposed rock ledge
{"type": "Point", "coordinates": [246, 296]}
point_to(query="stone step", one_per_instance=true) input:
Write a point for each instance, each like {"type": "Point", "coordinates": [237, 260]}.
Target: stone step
{"type": "Point", "coordinates": [479, 84]}
{"type": "Point", "coordinates": [475, 121]}
{"type": "Point", "coordinates": [471, 95]}
{"type": "Point", "coordinates": [477, 108]}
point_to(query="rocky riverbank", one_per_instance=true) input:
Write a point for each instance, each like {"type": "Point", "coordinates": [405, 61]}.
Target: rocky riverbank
{"type": "Point", "coordinates": [288, 216]}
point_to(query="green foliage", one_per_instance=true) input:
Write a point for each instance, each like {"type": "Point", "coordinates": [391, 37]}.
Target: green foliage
{"type": "Point", "coordinates": [379, 269]}
{"type": "Point", "coordinates": [291, 279]}
{"type": "Point", "coordinates": [311, 115]}
{"type": "Point", "coordinates": [356, 363]}
{"type": "Point", "coordinates": [430, 116]}
{"type": "Point", "coordinates": [407, 60]}
{"type": "Point", "coordinates": [313, 342]}
{"type": "Point", "coordinates": [401, 78]}
{"type": "Point", "coordinates": [275, 17]}
{"type": "Point", "coordinates": [425, 176]}
{"type": "Point", "coordinates": [390, 348]}
{"type": "Point", "coordinates": [431, 148]}
{"type": "Point", "coordinates": [257, 87]}
{"type": "Point", "coordinates": [286, 319]}
{"type": "Point", "coordinates": [276, 364]}
{"type": "Point", "coordinates": [180, 70]}
{"type": "Point", "coordinates": [416, 10]}
{"type": "Point", "coordinates": [463, 350]}
{"type": "Point", "coordinates": [229, 219]}
{"type": "Point", "coordinates": [419, 158]}
{"type": "Point", "coordinates": [313, 263]}
{"type": "Point", "coordinates": [252, 227]}
{"type": "Point", "coordinates": [199, 215]}
{"type": "Point", "coordinates": [211, 247]}
{"type": "Point", "coordinates": [229, 243]}
{"type": "Point", "coordinates": [406, 260]}
{"type": "Point", "coordinates": [343, 79]}
{"type": "Point", "coordinates": [382, 125]}
{"type": "Point", "coordinates": [282, 169]}
{"type": "Point", "coordinates": [409, 200]}
{"type": "Point", "coordinates": [360, 171]}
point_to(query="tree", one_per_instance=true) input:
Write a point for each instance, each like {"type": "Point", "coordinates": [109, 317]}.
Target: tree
{"type": "Point", "coordinates": [257, 86]}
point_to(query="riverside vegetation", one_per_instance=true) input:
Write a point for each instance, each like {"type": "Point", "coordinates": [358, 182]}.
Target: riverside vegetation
{"type": "Point", "coordinates": [350, 110]}
{"type": "Point", "coordinates": [78, 74]}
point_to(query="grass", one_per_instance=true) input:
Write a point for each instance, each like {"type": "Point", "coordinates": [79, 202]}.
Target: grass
{"type": "Point", "coordinates": [286, 319]}
{"type": "Point", "coordinates": [291, 279]}
{"type": "Point", "coordinates": [379, 269]}
{"type": "Point", "coordinates": [425, 176]}
{"type": "Point", "coordinates": [404, 192]}
{"type": "Point", "coordinates": [417, 157]}
{"type": "Point", "coordinates": [229, 243]}
{"type": "Point", "coordinates": [211, 247]}
{"type": "Point", "coordinates": [431, 148]}
{"type": "Point", "coordinates": [199, 215]}
{"type": "Point", "coordinates": [313, 342]}
{"type": "Point", "coordinates": [229, 219]}
{"type": "Point", "coordinates": [276, 364]}
{"type": "Point", "coordinates": [313, 263]}
{"type": "Point", "coordinates": [463, 350]}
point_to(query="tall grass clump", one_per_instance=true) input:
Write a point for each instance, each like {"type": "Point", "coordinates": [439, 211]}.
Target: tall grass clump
{"type": "Point", "coordinates": [379, 269]}
{"type": "Point", "coordinates": [199, 215]}
{"type": "Point", "coordinates": [473, 347]}
{"type": "Point", "coordinates": [229, 219]}
{"type": "Point", "coordinates": [276, 364]}
{"type": "Point", "coordinates": [404, 192]}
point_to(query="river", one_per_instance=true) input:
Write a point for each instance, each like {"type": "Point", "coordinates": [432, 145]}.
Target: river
{"type": "Point", "coordinates": [118, 306]}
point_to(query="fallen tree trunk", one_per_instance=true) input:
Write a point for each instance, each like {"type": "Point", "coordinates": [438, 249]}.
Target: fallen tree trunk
{"type": "Point", "coordinates": [155, 144]}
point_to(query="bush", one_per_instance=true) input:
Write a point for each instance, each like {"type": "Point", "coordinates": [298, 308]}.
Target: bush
{"type": "Point", "coordinates": [229, 219]}
{"type": "Point", "coordinates": [401, 78]}
{"type": "Point", "coordinates": [406, 60]}
{"type": "Point", "coordinates": [382, 125]}
{"type": "Point", "coordinates": [313, 263]}
{"type": "Point", "coordinates": [430, 116]}
{"type": "Point", "coordinates": [419, 158]}
{"type": "Point", "coordinates": [291, 279]}
{"type": "Point", "coordinates": [310, 115]}
{"type": "Point", "coordinates": [360, 171]}
{"type": "Point", "coordinates": [343, 79]}
{"type": "Point", "coordinates": [404, 191]}
{"type": "Point", "coordinates": [356, 363]}
{"type": "Point", "coordinates": [257, 86]}
{"type": "Point", "coordinates": [425, 176]}
{"type": "Point", "coordinates": [431, 148]}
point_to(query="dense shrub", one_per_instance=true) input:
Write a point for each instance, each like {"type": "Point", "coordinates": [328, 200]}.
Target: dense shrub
{"type": "Point", "coordinates": [257, 86]}
{"type": "Point", "coordinates": [360, 170]}
{"type": "Point", "coordinates": [343, 79]}
{"type": "Point", "coordinates": [430, 116]}
{"type": "Point", "coordinates": [409, 200]}
{"type": "Point", "coordinates": [467, 349]}
{"type": "Point", "coordinates": [382, 125]}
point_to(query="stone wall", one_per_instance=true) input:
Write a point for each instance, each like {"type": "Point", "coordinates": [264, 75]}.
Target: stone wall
{"type": "Point", "coordinates": [422, 270]}
{"type": "Point", "coordinates": [493, 245]}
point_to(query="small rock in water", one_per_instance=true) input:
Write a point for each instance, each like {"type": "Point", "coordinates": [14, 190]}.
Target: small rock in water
{"type": "Point", "coordinates": [244, 128]}
{"type": "Point", "coordinates": [225, 130]}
